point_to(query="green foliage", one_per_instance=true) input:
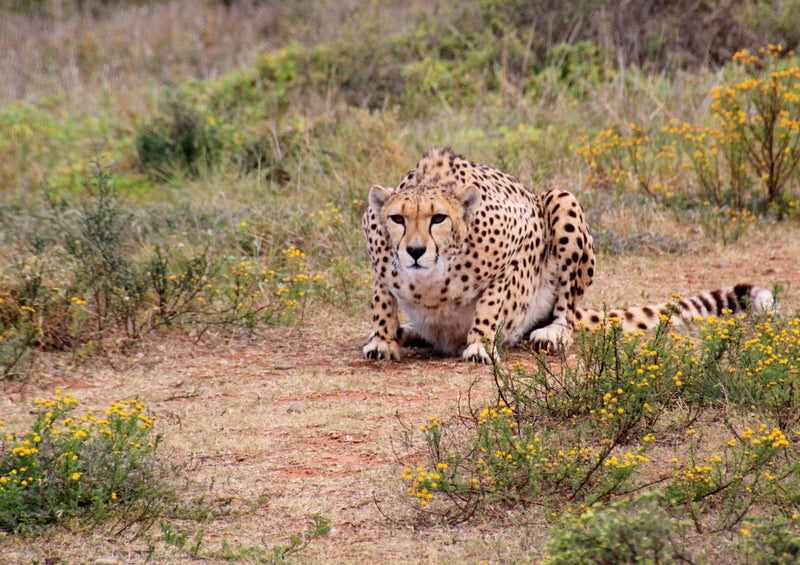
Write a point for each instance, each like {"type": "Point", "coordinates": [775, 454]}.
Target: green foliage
{"type": "Point", "coordinates": [774, 542]}
{"type": "Point", "coordinates": [44, 149]}
{"type": "Point", "coordinates": [639, 534]}
{"type": "Point", "coordinates": [432, 65]}
{"type": "Point", "coordinates": [579, 67]}
{"type": "Point", "coordinates": [192, 544]}
{"type": "Point", "coordinates": [90, 467]}
{"type": "Point", "coordinates": [183, 141]}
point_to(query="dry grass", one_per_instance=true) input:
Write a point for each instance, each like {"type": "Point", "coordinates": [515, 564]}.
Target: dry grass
{"type": "Point", "coordinates": [222, 407]}
{"type": "Point", "coordinates": [119, 61]}
{"type": "Point", "coordinates": [134, 50]}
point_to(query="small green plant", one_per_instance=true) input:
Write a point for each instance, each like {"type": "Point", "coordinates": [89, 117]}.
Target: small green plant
{"type": "Point", "coordinates": [639, 532]}
{"type": "Point", "coordinates": [184, 141]}
{"type": "Point", "coordinates": [320, 526]}
{"type": "Point", "coordinates": [771, 542]}
{"type": "Point", "coordinates": [192, 544]}
{"type": "Point", "coordinates": [98, 244]}
{"type": "Point", "coordinates": [88, 467]}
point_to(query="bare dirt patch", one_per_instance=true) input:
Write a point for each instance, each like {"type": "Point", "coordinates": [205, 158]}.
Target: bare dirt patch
{"type": "Point", "coordinates": [222, 407]}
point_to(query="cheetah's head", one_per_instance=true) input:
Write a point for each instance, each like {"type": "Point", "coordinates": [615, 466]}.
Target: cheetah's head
{"type": "Point", "coordinates": [425, 225]}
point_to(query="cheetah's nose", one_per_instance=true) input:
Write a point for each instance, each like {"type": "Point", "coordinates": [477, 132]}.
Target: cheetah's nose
{"type": "Point", "coordinates": [415, 252]}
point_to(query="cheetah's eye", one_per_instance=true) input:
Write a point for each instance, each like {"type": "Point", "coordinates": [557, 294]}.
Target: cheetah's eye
{"type": "Point", "coordinates": [397, 219]}
{"type": "Point", "coordinates": [438, 218]}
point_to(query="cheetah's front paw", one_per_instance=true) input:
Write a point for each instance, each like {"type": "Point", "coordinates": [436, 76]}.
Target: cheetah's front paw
{"type": "Point", "coordinates": [476, 353]}
{"type": "Point", "coordinates": [550, 338]}
{"type": "Point", "coordinates": [379, 348]}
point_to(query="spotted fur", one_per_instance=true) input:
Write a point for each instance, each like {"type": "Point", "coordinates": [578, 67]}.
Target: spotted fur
{"type": "Point", "coordinates": [467, 250]}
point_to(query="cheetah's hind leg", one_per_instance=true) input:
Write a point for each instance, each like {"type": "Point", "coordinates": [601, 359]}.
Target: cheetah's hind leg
{"type": "Point", "coordinates": [407, 336]}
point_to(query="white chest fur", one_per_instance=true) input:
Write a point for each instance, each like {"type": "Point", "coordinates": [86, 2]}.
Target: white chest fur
{"type": "Point", "coordinates": [440, 310]}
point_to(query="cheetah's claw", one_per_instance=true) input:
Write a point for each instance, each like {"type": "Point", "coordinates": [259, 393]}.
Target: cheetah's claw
{"type": "Point", "coordinates": [476, 353]}
{"type": "Point", "coordinates": [550, 338]}
{"type": "Point", "coordinates": [382, 350]}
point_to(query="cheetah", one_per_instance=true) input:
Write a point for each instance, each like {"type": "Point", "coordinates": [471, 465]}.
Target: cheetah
{"type": "Point", "coordinates": [467, 251]}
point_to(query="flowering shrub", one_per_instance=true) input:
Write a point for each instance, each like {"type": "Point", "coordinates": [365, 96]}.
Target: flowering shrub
{"type": "Point", "coordinates": [501, 462]}
{"type": "Point", "coordinates": [625, 162]}
{"type": "Point", "coordinates": [764, 111]}
{"type": "Point", "coordinates": [69, 466]}
{"type": "Point", "coordinates": [751, 468]}
{"type": "Point", "coordinates": [753, 145]}
{"type": "Point", "coordinates": [576, 433]}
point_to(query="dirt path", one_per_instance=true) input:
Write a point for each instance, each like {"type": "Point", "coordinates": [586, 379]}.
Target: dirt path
{"type": "Point", "coordinates": [224, 411]}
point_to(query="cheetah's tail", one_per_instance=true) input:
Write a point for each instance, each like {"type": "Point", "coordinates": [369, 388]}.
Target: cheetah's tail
{"type": "Point", "coordinates": [730, 299]}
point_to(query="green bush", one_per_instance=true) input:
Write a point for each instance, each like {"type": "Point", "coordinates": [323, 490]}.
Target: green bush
{"type": "Point", "coordinates": [622, 534]}
{"type": "Point", "coordinates": [183, 141]}
{"type": "Point", "coordinates": [773, 542]}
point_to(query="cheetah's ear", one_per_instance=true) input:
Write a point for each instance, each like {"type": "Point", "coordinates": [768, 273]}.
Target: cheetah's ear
{"type": "Point", "coordinates": [470, 198]}
{"type": "Point", "coordinates": [378, 197]}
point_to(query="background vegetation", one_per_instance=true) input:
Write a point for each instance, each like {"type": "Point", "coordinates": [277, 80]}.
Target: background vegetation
{"type": "Point", "coordinates": [200, 167]}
